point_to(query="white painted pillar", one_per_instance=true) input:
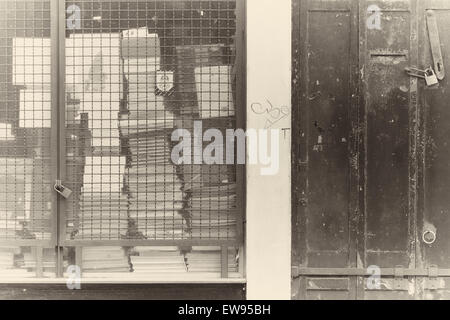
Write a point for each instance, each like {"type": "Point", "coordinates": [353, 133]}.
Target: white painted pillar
{"type": "Point", "coordinates": [268, 242]}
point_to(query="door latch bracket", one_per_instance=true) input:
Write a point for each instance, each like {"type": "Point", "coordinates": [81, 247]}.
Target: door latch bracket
{"type": "Point", "coordinates": [435, 44]}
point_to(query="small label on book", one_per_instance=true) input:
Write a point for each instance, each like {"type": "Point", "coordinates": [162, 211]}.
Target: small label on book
{"type": "Point", "coordinates": [164, 81]}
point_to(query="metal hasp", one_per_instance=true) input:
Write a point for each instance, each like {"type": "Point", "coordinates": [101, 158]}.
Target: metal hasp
{"type": "Point", "coordinates": [435, 43]}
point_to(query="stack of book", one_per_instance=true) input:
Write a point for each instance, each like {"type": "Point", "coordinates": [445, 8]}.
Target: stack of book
{"type": "Point", "coordinates": [103, 206]}
{"type": "Point", "coordinates": [156, 260]}
{"type": "Point", "coordinates": [141, 54]}
{"type": "Point", "coordinates": [146, 110]}
{"type": "Point", "coordinates": [94, 77]}
{"type": "Point", "coordinates": [6, 133]}
{"type": "Point", "coordinates": [25, 199]}
{"type": "Point", "coordinates": [214, 91]}
{"type": "Point", "coordinates": [197, 176]}
{"type": "Point", "coordinates": [9, 229]}
{"type": "Point", "coordinates": [48, 261]}
{"type": "Point", "coordinates": [212, 212]}
{"type": "Point", "coordinates": [31, 75]}
{"type": "Point", "coordinates": [78, 146]}
{"type": "Point", "coordinates": [208, 260]}
{"type": "Point", "coordinates": [155, 200]}
{"type": "Point", "coordinates": [153, 187]}
{"type": "Point", "coordinates": [10, 135]}
{"type": "Point", "coordinates": [31, 65]}
{"type": "Point", "coordinates": [141, 124]}
{"type": "Point", "coordinates": [16, 180]}
{"type": "Point", "coordinates": [141, 51]}
{"type": "Point", "coordinates": [7, 257]}
{"type": "Point", "coordinates": [104, 259]}
{"type": "Point", "coordinates": [41, 214]}
{"type": "Point", "coordinates": [204, 83]}
{"type": "Point", "coordinates": [190, 58]}
{"type": "Point", "coordinates": [22, 262]}
{"type": "Point", "coordinates": [35, 107]}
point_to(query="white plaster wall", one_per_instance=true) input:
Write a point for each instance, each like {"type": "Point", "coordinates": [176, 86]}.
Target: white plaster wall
{"type": "Point", "coordinates": [268, 230]}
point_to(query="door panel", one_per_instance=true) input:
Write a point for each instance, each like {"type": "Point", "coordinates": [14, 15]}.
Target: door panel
{"type": "Point", "coordinates": [387, 134]}
{"type": "Point", "coordinates": [437, 149]}
{"type": "Point", "coordinates": [326, 172]}
{"type": "Point", "coordinates": [436, 169]}
{"type": "Point", "coordinates": [328, 135]}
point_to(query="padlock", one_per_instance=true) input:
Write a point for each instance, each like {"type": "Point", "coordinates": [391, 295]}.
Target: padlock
{"type": "Point", "coordinates": [63, 191]}
{"type": "Point", "coordinates": [430, 77]}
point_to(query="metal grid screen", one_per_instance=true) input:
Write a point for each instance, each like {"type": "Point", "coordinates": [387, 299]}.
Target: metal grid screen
{"type": "Point", "coordinates": [25, 122]}
{"type": "Point", "coordinates": [135, 72]}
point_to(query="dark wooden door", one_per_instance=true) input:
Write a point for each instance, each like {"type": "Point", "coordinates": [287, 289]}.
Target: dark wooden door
{"type": "Point", "coordinates": [388, 102]}
{"type": "Point", "coordinates": [367, 179]}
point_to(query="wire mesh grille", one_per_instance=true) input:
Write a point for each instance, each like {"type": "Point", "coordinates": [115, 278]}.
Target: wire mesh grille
{"type": "Point", "coordinates": [135, 72]}
{"type": "Point", "coordinates": [25, 121]}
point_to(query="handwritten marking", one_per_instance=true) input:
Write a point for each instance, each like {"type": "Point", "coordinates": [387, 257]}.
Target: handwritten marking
{"type": "Point", "coordinates": [272, 114]}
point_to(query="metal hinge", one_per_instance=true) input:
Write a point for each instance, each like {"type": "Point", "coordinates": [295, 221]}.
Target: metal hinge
{"type": "Point", "coordinates": [432, 280]}
{"type": "Point", "coordinates": [62, 190]}
{"type": "Point", "coordinates": [295, 272]}
{"type": "Point", "coordinates": [399, 278]}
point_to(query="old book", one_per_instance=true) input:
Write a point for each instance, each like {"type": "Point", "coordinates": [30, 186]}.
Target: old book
{"type": "Point", "coordinates": [31, 65]}
{"type": "Point", "coordinates": [158, 260]}
{"type": "Point", "coordinates": [35, 108]}
{"type": "Point", "coordinates": [139, 42]}
{"type": "Point", "coordinates": [144, 65]}
{"type": "Point", "coordinates": [6, 133]}
{"type": "Point", "coordinates": [93, 66]}
{"type": "Point", "coordinates": [208, 259]}
{"type": "Point", "coordinates": [16, 180]}
{"type": "Point", "coordinates": [104, 259]}
{"type": "Point", "coordinates": [214, 91]}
